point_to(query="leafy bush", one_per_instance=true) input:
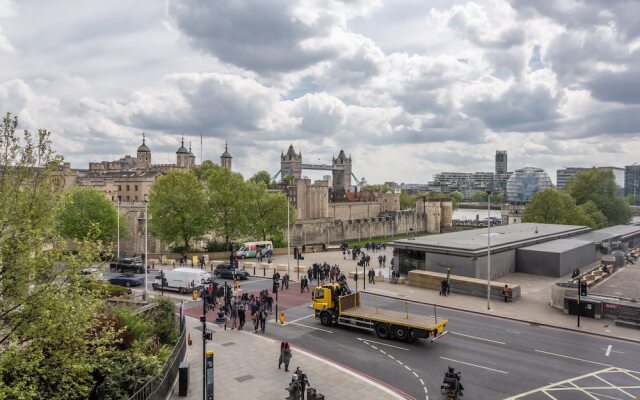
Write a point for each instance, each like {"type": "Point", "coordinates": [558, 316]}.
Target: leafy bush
{"type": "Point", "coordinates": [164, 321]}
{"type": "Point", "coordinates": [105, 289]}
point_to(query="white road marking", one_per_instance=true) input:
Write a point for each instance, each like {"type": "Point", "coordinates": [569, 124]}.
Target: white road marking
{"type": "Point", "coordinates": [310, 327]}
{"type": "Point", "coordinates": [383, 344]}
{"type": "Point", "coordinates": [339, 367]}
{"type": "Point", "coordinates": [608, 350]}
{"type": "Point", "coordinates": [383, 352]}
{"type": "Point", "coordinates": [475, 337]}
{"type": "Point", "coordinates": [421, 382]}
{"type": "Point", "coordinates": [414, 373]}
{"type": "Point", "coordinates": [374, 347]}
{"type": "Point", "coordinates": [573, 358]}
{"type": "Point", "coordinates": [408, 369]}
{"type": "Point", "coordinates": [399, 362]}
{"type": "Point", "coordinates": [516, 332]}
{"type": "Point", "coordinates": [474, 365]}
{"type": "Point", "coordinates": [296, 320]}
{"type": "Point", "coordinates": [391, 357]}
{"type": "Point", "coordinates": [614, 351]}
{"type": "Point", "coordinates": [551, 385]}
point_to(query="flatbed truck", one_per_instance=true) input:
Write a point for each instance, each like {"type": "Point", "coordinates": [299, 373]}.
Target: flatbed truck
{"type": "Point", "coordinates": [334, 304]}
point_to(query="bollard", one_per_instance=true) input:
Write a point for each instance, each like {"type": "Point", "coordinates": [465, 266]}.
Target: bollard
{"type": "Point", "coordinates": [254, 270]}
{"type": "Point", "coordinates": [264, 271]}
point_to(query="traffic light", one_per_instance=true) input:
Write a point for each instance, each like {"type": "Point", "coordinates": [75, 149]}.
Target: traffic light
{"type": "Point", "coordinates": [583, 288]}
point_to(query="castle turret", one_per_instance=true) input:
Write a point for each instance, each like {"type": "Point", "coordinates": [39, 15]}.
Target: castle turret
{"type": "Point", "coordinates": [143, 160]}
{"type": "Point", "coordinates": [291, 164]}
{"type": "Point", "coordinates": [192, 158]}
{"type": "Point", "coordinates": [342, 176]}
{"type": "Point", "coordinates": [225, 158]}
{"type": "Point", "coordinates": [182, 156]}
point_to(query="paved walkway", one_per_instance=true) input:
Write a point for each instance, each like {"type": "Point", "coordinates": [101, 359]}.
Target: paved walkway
{"type": "Point", "coordinates": [246, 367]}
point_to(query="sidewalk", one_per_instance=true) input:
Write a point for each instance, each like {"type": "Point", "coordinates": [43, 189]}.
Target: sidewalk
{"type": "Point", "coordinates": [246, 367]}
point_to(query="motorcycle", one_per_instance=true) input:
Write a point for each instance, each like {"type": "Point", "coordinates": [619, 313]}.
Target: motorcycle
{"type": "Point", "coordinates": [451, 388]}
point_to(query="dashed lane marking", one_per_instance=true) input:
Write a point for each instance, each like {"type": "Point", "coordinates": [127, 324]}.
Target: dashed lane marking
{"type": "Point", "coordinates": [572, 358]}
{"type": "Point", "coordinates": [367, 341]}
{"type": "Point", "coordinates": [477, 338]}
{"type": "Point", "coordinates": [516, 332]}
{"type": "Point", "coordinates": [608, 350]}
{"type": "Point", "coordinates": [474, 365]}
{"type": "Point", "coordinates": [426, 392]}
{"type": "Point", "coordinates": [310, 327]}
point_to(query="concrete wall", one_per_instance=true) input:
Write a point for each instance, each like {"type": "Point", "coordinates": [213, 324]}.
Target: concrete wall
{"type": "Point", "coordinates": [553, 263]}
{"type": "Point", "coordinates": [461, 284]}
{"type": "Point", "coordinates": [501, 264]}
{"type": "Point", "coordinates": [463, 266]}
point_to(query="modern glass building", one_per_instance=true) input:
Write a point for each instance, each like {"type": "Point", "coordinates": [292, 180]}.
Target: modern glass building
{"type": "Point", "coordinates": [526, 182]}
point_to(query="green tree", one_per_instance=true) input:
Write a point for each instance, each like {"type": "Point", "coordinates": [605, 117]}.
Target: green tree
{"type": "Point", "coordinates": [227, 199]}
{"type": "Point", "coordinates": [268, 212]}
{"type": "Point", "coordinates": [203, 169]}
{"type": "Point", "coordinates": [456, 197]}
{"type": "Point", "coordinates": [480, 196]}
{"type": "Point", "coordinates": [498, 198]}
{"type": "Point", "coordinates": [87, 210]}
{"type": "Point", "coordinates": [552, 207]}
{"type": "Point", "coordinates": [177, 208]}
{"type": "Point", "coordinates": [599, 186]}
{"type": "Point", "coordinates": [591, 215]}
{"type": "Point", "coordinates": [407, 201]}
{"type": "Point", "coordinates": [46, 314]}
{"type": "Point", "coordinates": [261, 177]}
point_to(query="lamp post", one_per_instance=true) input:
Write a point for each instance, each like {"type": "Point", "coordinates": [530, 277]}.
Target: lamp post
{"type": "Point", "coordinates": [146, 253]}
{"type": "Point", "coordinates": [488, 249]}
{"type": "Point", "coordinates": [118, 253]}
{"type": "Point", "coordinates": [288, 240]}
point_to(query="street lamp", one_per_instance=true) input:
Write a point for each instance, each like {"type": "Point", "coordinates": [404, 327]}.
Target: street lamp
{"type": "Point", "coordinates": [488, 249]}
{"type": "Point", "coordinates": [288, 240]}
{"type": "Point", "coordinates": [146, 253]}
{"type": "Point", "coordinates": [118, 227]}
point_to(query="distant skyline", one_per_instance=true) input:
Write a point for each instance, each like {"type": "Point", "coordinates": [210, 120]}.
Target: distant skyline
{"type": "Point", "coordinates": [408, 88]}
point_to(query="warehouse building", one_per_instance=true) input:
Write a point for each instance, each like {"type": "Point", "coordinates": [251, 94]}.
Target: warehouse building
{"type": "Point", "coordinates": [541, 249]}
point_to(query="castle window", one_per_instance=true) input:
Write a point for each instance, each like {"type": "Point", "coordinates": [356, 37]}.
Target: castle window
{"type": "Point", "coordinates": [136, 198]}
{"type": "Point", "coordinates": [136, 188]}
{"type": "Point", "coordinates": [119, 188]}
{"type": "Point", "coordinates": [127, 188]}
{"type": "Point", "coordinates": [128, 198]}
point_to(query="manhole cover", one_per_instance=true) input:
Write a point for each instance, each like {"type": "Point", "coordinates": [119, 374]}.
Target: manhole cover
{"type": "Point", "coordinates": [244, 377]}
{"type": "Point", "coordinates": [228, 344]}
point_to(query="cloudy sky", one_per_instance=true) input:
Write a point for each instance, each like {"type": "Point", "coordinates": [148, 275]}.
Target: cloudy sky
{"type": "Point", "coordinates": [407, 87]}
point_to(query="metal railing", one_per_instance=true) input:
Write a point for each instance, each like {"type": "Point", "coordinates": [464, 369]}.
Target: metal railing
{"type": "Point", "coordinates": [158, 387]}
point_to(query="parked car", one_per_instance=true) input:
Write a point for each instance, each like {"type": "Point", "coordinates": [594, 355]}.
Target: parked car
{"type": "Point", "coordinates": [226, 270]}
{"type": "Point", "coordinates": [128, 264]}
{"type": "Point", "coordinates": [93, 273]}
{"type": "Point", "coordinates": [127, 280]}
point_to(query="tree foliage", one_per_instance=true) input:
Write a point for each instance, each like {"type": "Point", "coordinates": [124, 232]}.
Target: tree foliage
{"type": "Point", "coordinates": [261, 177]}
{"type": "Point", "coordinates": [479, 196]}
{"type": "Point", "coordinates": [227, 199]}
{"type": "Point", "coordinates": [45, 313]}
{"type": "Point", "coordinates": [178, 208]}
{"type": "Point", "coordinates": [268, 212]}
{"type": "Point", "coordinates": [553, 207]}
{"type": "Point", "coordinates": [86, 210]}
{"type": "Point", "coordinates": [599, 187]}
{"type": "Point", "coordinates": [407, 201]}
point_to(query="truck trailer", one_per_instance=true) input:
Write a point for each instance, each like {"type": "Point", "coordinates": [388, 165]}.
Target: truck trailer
{"type": "Point", "coordinates": [387, 317]}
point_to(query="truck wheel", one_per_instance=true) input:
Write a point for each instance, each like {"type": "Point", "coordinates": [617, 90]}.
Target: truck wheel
{"type": "Point", "coordinates": [402, 333]}
{"type": "Point", "coordinates": [325, 318]}
{"type": "Point", "coordinates": [382, 330]}
{"type": "Point", "coordinates": [181, 290]}
{"type": "Point", "coordinates": [118, 269]}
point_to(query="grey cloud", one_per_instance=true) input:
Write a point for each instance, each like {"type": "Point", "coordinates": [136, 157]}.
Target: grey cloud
{"type": "Point", "coordinates": [518, 109]}
{"type": "Point", "coordinates": [621, 121]}
{"type": "Point", "coordinates": [509, 37]}
{"type": "Point", "coordinates": [620, 87]}
{"type": "Point", "coordinates": [253, 34]}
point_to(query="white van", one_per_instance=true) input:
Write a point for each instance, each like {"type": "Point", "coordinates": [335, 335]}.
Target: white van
{"type": "Point", "coordinates": [184, 280]}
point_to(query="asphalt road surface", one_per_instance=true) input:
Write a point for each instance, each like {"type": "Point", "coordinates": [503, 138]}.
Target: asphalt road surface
{"type": "Point", "coordinates": [498, 358]}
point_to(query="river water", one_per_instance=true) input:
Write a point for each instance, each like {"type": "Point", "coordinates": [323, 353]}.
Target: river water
{"type": "Point", "coordinates": [465, 214]}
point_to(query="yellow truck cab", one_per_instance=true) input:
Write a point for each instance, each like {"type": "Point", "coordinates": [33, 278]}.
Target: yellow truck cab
{"type": "Point", "coordinates": [334, 304]}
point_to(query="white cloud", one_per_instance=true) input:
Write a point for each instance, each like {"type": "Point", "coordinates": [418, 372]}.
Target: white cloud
{"type": "Point", "coordinates": [418, 87]}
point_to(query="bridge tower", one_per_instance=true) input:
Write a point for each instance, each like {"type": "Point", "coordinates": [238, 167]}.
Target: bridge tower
{"type": "Point", "coordinates": [342, 178]}
{"type": "Point", "coordinates": [291, 164]}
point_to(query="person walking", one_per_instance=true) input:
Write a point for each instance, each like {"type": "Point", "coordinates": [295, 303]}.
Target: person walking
{"type": "Point", "coordinates": [256, 321]}
{"type": "Point", "coordinates": [505, 292]}
{"type": "Point", "coordinates": [241, 315]}
{"type": "Point", "coordinates": [285, 356]}
{"type": "Point", "coordinates": [263, 320]}
{"type": "Point", "coordinates": [443, 287]}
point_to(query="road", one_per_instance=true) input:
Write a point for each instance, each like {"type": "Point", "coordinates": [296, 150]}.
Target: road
{"type": "Point", "coordinates": [498, 358]}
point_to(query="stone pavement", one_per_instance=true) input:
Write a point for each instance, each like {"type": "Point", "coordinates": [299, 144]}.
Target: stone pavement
{"type": "Point", "coordinates": [246, 367]}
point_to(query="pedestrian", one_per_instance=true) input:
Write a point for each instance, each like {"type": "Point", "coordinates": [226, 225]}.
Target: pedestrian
{"type": "Point", "coordinates": [263, 320]}
{"type": "Point", "coordinates": [256, 321]}
{"type": "Point", "coordinates": [241, 316]}
{"type": "Point", "coordinates": [234, 316]}
{"type": "Point", "coordinates": [443, 287]}
{"type": "Point", "coordinates": [286, 356]}
{"type": "Point", "coordinates": [505, 292]}
{"type": "Point", "coordinates": [281, 358]}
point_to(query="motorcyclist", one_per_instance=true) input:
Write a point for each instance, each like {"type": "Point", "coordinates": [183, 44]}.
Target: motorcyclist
{"type": "Point", "coordinates": [452, 382]}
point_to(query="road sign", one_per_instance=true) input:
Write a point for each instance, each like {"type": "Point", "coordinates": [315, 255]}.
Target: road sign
{"type": "Point", "coordinates": [209, 361]}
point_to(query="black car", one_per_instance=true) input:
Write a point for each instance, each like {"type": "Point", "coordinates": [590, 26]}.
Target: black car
{"type": "Point", "coordinates": [225, 270]}
{"type": "Point", "coordinates": [127, 265]}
